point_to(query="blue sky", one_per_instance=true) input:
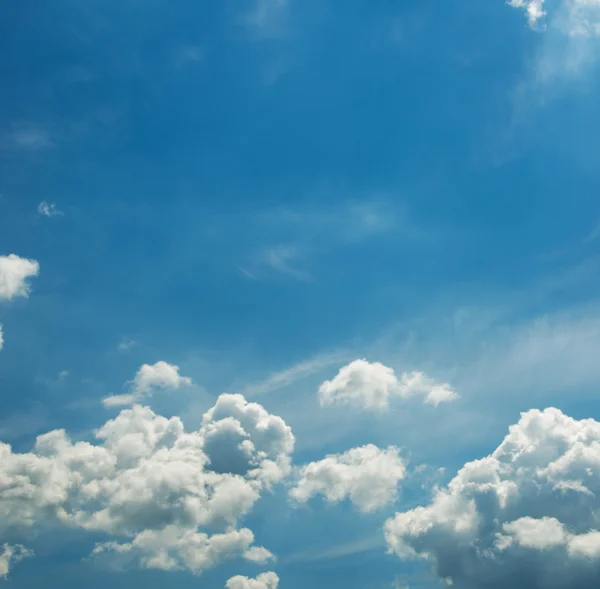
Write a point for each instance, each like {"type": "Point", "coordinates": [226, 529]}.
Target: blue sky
{"type": "Point", "coordinates": [247, 197]}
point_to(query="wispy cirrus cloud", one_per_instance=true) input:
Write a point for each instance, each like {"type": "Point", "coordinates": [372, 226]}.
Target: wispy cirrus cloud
{"type": "Point", "coordinates": [268, 18]}
{"type": "Point", "coordinates": [297, 372]}
{"type": "Point", "coordinates": [300, 235]}
{"type": "Point", "coordinates": [570, 35]}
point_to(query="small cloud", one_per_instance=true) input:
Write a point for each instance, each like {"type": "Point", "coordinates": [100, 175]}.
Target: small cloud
{"type": "Point", "coordinates": [263, 581]}
{"type": "Point", "coordinates": [48, 210]}
{"type": "Point", "coordinates": [368, 476]}
{"type": "Point", "coordinates": [370, 385]}
{"type": "Point", "coordinates": [10, 555]}
{"type": "Point", "coordinates": [1, 337]}
{"type": "Point", "coordinates": [148, 379]}
{"type": "Point", "coordinates": [14, 275]}
{"type": "Point", "coordinates": [259, 555]}
{"type": "Point", "coordinates": [126, 344]}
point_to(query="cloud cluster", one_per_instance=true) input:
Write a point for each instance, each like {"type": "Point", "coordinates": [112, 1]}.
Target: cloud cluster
{"type": "Point", "coordinates": [14, 275]}
{"type": "Point", "coordinates": [263, 581]}
{"type": "Point", "coordinates": [370, 385]}
{"type": "Point", "coordinates": [525, 516]}
{"type": "Point", "coordinates": [10, 555]}
{"type": "Point", "coordinates": [149, 378]}
{"type": "Point", "coordinates": [171, 499]}
{"type": "Point", "coordinates": [368, 476]}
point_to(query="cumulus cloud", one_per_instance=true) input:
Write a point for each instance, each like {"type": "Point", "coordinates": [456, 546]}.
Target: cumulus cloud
{"type": "Point", "coordinates": [368, 476]}
{"type": "Point", "coordinates": [263, 581]}
{"type": "Point", "coordinates": [370, 385]}
{"type": "Point", "coordinates": [14, 275]}
{"type": "Point", "coordinates": [46, 209]}
{"type": "Point", "coordinates": [151, 485]}
{"type": "Point", "coordinates": [11, 555]}
{"type": "Point", "coordinates": [149, 378]}
{"type": "Point", "coordinates": [524, 516]}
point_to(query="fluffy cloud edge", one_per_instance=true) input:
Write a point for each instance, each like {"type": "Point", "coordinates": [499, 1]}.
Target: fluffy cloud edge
{"type": "Point", "coordinates": [367, 476]}
{"type": "Point", "coordinates": [371, 385]}
{"type": "Point", "coordinates": [15, 273]}
{"type": "Point", "coordinates": [148, 379]}
{"type": "Point", "coordinates": [10, 555]}
{"type": "Point", "coordinates": [157, 491]}
{"type": "Point", "coordinates": [526, 511]}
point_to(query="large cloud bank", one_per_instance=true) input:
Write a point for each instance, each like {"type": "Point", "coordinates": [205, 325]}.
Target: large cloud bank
{"type": "Point", "coordinates": [525, 516]}
{"type": "Point", "coordinates": [170, 499]}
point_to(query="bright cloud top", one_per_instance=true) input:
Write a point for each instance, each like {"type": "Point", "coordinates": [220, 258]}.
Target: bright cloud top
{"type": "Point", "coordinates": [263, 581]}
{"type": "Point", "coordinates": [525, 516]}
{"type": "Point", "coordinates": [10, 555]}
{"type": "Point", "coordinates": [370, 385]}
{"type": "Point", "coordinates": [14, 275]}
{"type": "Point", "coordinates": [149, 378]}
{"type": "Point", "coordinates": [46, 209]}
{"type": "Point", "coordinates": [368, 476]}
{"type": "Point", "coordinates": [572, 17]}
{"type": "Point", "coordinates": [169, 498]}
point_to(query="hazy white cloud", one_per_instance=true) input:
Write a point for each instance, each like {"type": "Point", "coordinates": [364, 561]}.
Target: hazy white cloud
{"type": "Point", "coordinates": [283, 259]}
{"type": "Point", "coordinates": [524, 516]}
{"type": "Point", "coordinates": [30, 137]}
{"type": "Point", "coordinates": [170, 498]}
{"type": "Point", "coordinates": [299, 371]}
{"type": "Point", "coordinates": [1, 337]}
{"type": "Point", "coordinates": [268, 17]}
{"type": "Point", "coordinates": [10, 555]}
{"type": "Point", "coordinates": [576, 18]}
{"type": "Point", "coordinates": [14, 275]}
{"type": "Point", "coordinates": [263, 581]}
{"type": "Point", "coordinates": [126, 344]}
{"type": "Point", "coordinates": [48, 210]}
{"type": "Point", "coordinates": [533, 8]}
{"type": "Point", "coordinates": [149, 378]}
{"type": "Point", "coordinates": [368, 476]}
{"type": "Point", "coordinates": [370, 385]}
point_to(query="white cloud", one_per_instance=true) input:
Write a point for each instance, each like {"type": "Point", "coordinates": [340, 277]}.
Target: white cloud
{"type": "Point", "coordinates": [534, 9]}
{"type": "Point", "coordinates": [263, 581]}
{"type": "Point", "coordinates": [524, 516]}
{"type": "Point", "coordinates": [370, 385]}
{"type": "Point", "coordinates": [10, 555]}
{"type": "Point", "coordinates": [288, 376]}
{"type": "Point", "coordinates": [576, 18]}
{"type": "Point", "coordinates": [169, 498]}
{"type": "Point", "coordinates": [161, 375]}
{"type": "Point", "coordinates": [368, 476]}
{"type": "Point", "coordinates": [1, 337]}
{"type": "Point", "coordinates": [48, 210]}
{"type": "Point", "coordinates": [14, 272]}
